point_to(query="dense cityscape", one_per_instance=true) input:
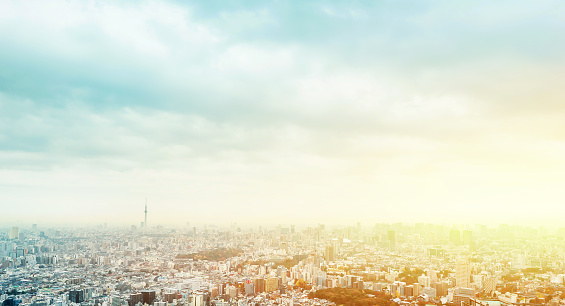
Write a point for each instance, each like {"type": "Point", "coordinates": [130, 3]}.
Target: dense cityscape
{"type": "Point", "coordinates": [282, 153]}
{"type": "Point", "coordinates": [381, 264]}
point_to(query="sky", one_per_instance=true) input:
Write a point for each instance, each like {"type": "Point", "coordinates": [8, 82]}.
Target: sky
{"type": "Point", "coordinates": [282, 112]}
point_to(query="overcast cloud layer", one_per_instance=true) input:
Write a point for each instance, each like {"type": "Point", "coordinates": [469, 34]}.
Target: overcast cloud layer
{"type": "Point", "coordinates": [282, 112]}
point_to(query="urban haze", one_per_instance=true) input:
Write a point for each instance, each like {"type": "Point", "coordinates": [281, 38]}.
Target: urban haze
{"type": "Point", "coordinates": [282, 153]}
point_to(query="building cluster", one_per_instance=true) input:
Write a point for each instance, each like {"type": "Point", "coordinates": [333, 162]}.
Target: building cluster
{"type": "Point", "coordinates": [414, 264]}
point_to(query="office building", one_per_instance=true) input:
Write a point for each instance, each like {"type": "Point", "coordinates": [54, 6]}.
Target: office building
{"type": "Point", "coordinates": [463, 275]}
{"type": "Point", "coordinates": [392, 239]}
{"type": "Point", "coordinates": [148, 296]}
{"type": "Point", "coordinates": [14, 233]}
{"type": "Point", "coordinates": [76, 296]}
{"type": "Point", "coordinates": [330, 253]}
{"type": "Point", "coordinates": [455, 236]}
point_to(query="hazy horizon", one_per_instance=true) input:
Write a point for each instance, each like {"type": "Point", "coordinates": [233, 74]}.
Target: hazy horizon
{"type": "Point", "coordinates": [477, 229]}
{"type": "Point", "coordinates": [268, 112]}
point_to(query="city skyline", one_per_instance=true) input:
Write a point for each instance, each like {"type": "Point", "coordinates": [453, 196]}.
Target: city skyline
{"type": "Point", "coordinates": [282, 153]}
{"type": "Point", "coordinates": [385, 265]}
{"type": "Point", "coordinates": [255, 112]}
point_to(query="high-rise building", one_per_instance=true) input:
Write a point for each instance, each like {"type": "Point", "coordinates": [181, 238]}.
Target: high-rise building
{"type": "Point", "coordinates": [11, 302]}
{"type": "Point", "coordinates": [249, 288]}
{"type": "Point", "coordinates": [330, 253]}
{"type": "Point", "coordinates": [394, 290]}
{"type": "Point", "coordinates": [392, 239]}
{"type": "Point", "coordinates": [14, 233]}
{"type": "Point", "coordinates": [432, 274]}
{"type": "Point", "coordinates": [271, 284]}
{"type": "Point", "coordinates": [489, 285]}
{"type": "Point", "coordinates": [441, 288]}
{"type": "Point", "coordinates": [377, 286]}
{"type": "Point", "coordinates": [409, 290]}
{"type": "Point", "coordinates": [463, 296]}
{"type": "Point", "coordinates": [198, 299]}
{"type": "Point", "coordinates": [417, 288]}
{"type": "Point", "coordinates": [429, 291]}
{"type": "Point", "coordinates": [467, 237]}
{"type": "Point", "coordinates": [148, 296]}
{"type": "Point", "coordinates": [259, 285]}
{"type": "Point", "coordinates": [424, 280]}
{"type": "Point", "coordinates": [455, 236]}
{"type": "Point", "coordinates": [169, 297]}
{"type": "Point", "coordinates": [88, 293]}
{"type": "Point", "coordinates": [76, 296]}
{"type": "Point", "coordinates": [463, 275]}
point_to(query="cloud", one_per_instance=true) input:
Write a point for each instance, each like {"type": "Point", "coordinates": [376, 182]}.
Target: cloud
{"type": "Point", "coordinates": [302, 105]}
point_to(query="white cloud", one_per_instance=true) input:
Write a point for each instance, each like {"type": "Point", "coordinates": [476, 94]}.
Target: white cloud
{"type": "Point", "coordinates": [307, 108]}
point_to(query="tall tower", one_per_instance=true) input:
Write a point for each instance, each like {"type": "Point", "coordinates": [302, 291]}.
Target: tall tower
{"type": "Point", "coordinates": [463, 274]}
{"type": "Point", "coordinates": [14, 233]}
{"type": "Point", "coordinates": [145, 224]}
